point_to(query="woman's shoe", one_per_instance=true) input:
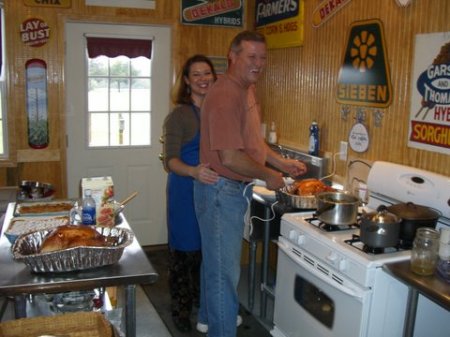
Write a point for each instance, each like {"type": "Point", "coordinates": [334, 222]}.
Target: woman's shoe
{"type": "Point", "coordinates": [203, 328]}
{"type": "Point", "coordinates": [182, 324]}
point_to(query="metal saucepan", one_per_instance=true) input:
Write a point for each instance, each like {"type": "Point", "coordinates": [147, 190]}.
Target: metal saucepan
{"type": "Point", "coordinates": [380, 229]}
{"type": "Point", "coordinates": [337, 208]}
{"type": "Point", "coordinates": [414, 216]}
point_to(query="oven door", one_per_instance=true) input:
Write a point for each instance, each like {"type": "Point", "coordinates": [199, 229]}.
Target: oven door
{"type": "Point", "coordinates": [309, 303]}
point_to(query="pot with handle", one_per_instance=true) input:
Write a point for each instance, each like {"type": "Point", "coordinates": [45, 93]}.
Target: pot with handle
{"type": "Point", "coordinates": [413, 216]}
{"type": "Point", "coordinates": [380, 229]}
{"type": "Point", "coordinates": [337, 208]}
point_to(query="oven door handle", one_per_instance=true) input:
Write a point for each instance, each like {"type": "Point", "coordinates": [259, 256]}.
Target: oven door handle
{"type": "Point", "coordinates": [355, 292]}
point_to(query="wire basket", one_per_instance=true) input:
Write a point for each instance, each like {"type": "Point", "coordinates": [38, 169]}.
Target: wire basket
{"type": "Point", "coordinates": [79, 324]}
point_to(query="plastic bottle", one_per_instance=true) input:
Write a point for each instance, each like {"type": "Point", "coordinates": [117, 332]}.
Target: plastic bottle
{"type": "Point", "coordinates": [272, 134]}
{"type": "Point", "coordinates": [88, 209]}
{"type": "Point", "coordinates": [314, 139]}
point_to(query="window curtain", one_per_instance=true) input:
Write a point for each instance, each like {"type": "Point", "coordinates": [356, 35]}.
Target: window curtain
{"type": "Point", "coordinates": [112, 47]}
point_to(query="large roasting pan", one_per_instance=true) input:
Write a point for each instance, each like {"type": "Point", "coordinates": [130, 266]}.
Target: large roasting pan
{"type": "Point", "coordinates": [26, 249]}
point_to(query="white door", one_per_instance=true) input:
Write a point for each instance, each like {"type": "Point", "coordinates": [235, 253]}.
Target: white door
{"type": "Point", "coordinates": [133, 168]}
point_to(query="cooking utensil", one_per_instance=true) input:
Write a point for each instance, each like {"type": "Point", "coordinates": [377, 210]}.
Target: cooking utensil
{"type": "Point", "coordinates": [296, 201]}
{"type": "Point", "coordinates": [129, 198]}
{"type": "Point", "coordinates": [337, 208]}
{"type": "Point", "coordinates": [414, 216]}
{"type": "Point", "coordinates": [380, 229]}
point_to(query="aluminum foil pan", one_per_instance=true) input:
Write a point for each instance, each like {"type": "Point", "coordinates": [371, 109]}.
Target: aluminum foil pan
{"type": "Point", "coordinates": [26, 249]}
{"type": "Point", "coordinates": [296, 201]}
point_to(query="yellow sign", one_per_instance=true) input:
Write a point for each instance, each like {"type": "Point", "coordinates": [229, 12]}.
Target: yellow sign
{"type": "Point", "coordinates": [282, 27]}
{"type": "Point", "coordinates": [49, 3]}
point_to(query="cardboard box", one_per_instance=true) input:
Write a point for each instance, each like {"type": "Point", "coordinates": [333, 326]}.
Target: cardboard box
{"type": "Point", "coordinates": [102, 191]}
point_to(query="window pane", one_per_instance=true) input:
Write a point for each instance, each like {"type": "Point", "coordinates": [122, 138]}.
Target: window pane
{"type": "Point", "coordinates": [120, 66]}
{"type": "Point", "coordinates": [98, 66]}
{"type": "Point", "coordinates": [98, 94]}
{"type": "Point", "coordinates": [140, 66]}
{"type": "Point", "coordinates": [140, 95]}
{"type": "Point", "coordinates": [119, 94]}
{"type": "Point", "coordinates": [98, 129]}
{"type": "Point", "coordinates": [120, 126]}
{"type": "Point", "coordinates": [140, 129]}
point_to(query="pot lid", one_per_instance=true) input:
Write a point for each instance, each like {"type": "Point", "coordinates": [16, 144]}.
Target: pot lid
{"type": "Point", "coordinates": [382, 215]}
{"type": "Point", "coordinates": [411, 211]}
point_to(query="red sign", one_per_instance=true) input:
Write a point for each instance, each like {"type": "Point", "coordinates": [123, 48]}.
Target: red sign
{"type": "Point", "coordinates": [34, 32]}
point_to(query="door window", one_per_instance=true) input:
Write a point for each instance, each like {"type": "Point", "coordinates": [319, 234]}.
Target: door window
{"type": "Point", "coordinates": [119, 91]}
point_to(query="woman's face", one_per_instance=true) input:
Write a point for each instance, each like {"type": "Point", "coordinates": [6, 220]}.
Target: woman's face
{"type": "Point", "coordinates": [200, 79]}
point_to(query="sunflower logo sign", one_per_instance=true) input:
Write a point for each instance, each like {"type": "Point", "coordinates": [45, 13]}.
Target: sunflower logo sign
{"type": "Point", "coordinates": [364, 77]}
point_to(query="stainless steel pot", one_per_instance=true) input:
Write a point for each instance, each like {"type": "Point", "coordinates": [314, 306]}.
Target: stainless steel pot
{"type": "Point", "coordinates": [337, 208]}
{"type": "Point", "coordinates": [380, 229]}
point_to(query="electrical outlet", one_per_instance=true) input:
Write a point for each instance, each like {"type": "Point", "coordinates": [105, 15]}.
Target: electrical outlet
{"type": "Point", "coordinates": [343, 151]}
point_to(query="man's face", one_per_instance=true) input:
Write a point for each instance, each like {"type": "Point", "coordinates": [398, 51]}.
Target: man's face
{"type": "Point", "coordinates": [250, 61]}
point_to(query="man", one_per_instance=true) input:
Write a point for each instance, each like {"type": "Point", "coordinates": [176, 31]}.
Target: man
{"type": "Point", "coordinates": [232, 144]}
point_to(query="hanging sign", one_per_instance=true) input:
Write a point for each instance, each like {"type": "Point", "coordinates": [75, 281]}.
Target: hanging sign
{"type": "Point", "coordinates": [429, 117]}
{"type": "Point", "coordinates": [364, 77]}
{"type": "Point", "coordinates": [48, 3]}
{"type": "Point", "coordinates": [281, 22]}
{"type": "Point", "coordinates": [325, 10]}
{"type": "Point", "coordinates": [212, 12]}
{"type": "Point", "coordinates": [34, 32]}
{"type": "Point", "coordinates": [37, 115]}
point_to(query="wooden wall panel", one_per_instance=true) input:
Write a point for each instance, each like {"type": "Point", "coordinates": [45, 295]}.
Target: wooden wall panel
{"type": "Point", "coordinates": [298, 85]}
{"type": "Point", "coordinates": [300, 82]}
{"type": "Point", "coordinates": [50, 164]}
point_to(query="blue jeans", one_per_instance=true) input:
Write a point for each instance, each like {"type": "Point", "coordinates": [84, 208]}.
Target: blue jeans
{"type": "Point", "coordinates": [220, 210]}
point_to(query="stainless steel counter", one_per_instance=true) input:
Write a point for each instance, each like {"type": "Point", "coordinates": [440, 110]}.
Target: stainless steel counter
{"type": "Point", "coordinates": [432, 287]}
{"type": "Point", "coordinates": [133, 268]}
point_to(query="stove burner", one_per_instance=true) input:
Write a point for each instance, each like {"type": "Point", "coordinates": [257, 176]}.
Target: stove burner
{"type": "Point", "coordinates": [313, 220]}
{"type": "Point", "coordinates": [356, 242]}
{"type": "Point", "coordinates": [373, 250]}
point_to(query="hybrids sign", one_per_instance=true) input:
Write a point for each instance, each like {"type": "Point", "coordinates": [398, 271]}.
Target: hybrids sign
{"type": "Point", "coordinates": [429, 126]}
{"type": "Point", "coordinates": [280, 21]}
{"type": "Point", "coordinates": [212, 12]}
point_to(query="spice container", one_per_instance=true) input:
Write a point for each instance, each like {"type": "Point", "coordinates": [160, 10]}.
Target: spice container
{"type": "Point", "coordinates": [424, 254]}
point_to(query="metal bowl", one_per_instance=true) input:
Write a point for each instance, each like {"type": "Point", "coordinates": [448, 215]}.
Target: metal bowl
{"type": "Point", "coordinates": [296, 201]}
{"type": "Point", "coordinates": [35, 190]}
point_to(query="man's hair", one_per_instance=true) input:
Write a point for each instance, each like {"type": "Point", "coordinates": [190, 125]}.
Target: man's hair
{"type": "Point", "coordinates": [246, 35]}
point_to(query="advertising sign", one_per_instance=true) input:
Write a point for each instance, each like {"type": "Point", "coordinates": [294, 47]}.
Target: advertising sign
{"type": "Point", "coordinates": [34, 32]}
{"type": "Point", "coordinates": [280, 21]}
{"type": "Point", "coordinates": [48, 3]}
{"type": "Point", "coordinates": [429, 124]}
{"type": "Point", "coordinates": [227, 13]}
{"type": "Point", "coordinates": [364, 77]}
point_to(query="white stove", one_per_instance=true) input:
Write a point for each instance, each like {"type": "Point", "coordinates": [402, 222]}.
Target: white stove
{"type": "Point", "coordinates": [338, 266]}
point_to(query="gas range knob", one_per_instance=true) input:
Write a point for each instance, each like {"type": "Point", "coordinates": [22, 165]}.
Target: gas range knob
{"type": "Point", "coordinates": [332, 257]}
{"type": "Point", "coordinates": [343, 265]}
{"type": "Point", "coordinates": [293, 235]}
{"type": "Point", "coordinates": [301, 239]}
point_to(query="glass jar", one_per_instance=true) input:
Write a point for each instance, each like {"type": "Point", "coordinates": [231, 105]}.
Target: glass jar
{"type": "Point", "coordinates": [424, 254]}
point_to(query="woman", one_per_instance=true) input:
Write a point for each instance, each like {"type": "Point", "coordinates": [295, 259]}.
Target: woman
{"type": "Point", "coordinates": [181, 160]}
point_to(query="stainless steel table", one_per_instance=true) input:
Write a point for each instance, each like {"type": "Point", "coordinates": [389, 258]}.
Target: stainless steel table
{"type": "Point", "coordinates": [432, 287]}
{"type": "Point", "coordinates": [18, 281]}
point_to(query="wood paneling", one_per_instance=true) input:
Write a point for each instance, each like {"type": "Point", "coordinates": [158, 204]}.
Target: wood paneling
{"type": "Point", "coordinates": [299, 84]}
{"type": "Point", "coordinates": [50, 164]}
